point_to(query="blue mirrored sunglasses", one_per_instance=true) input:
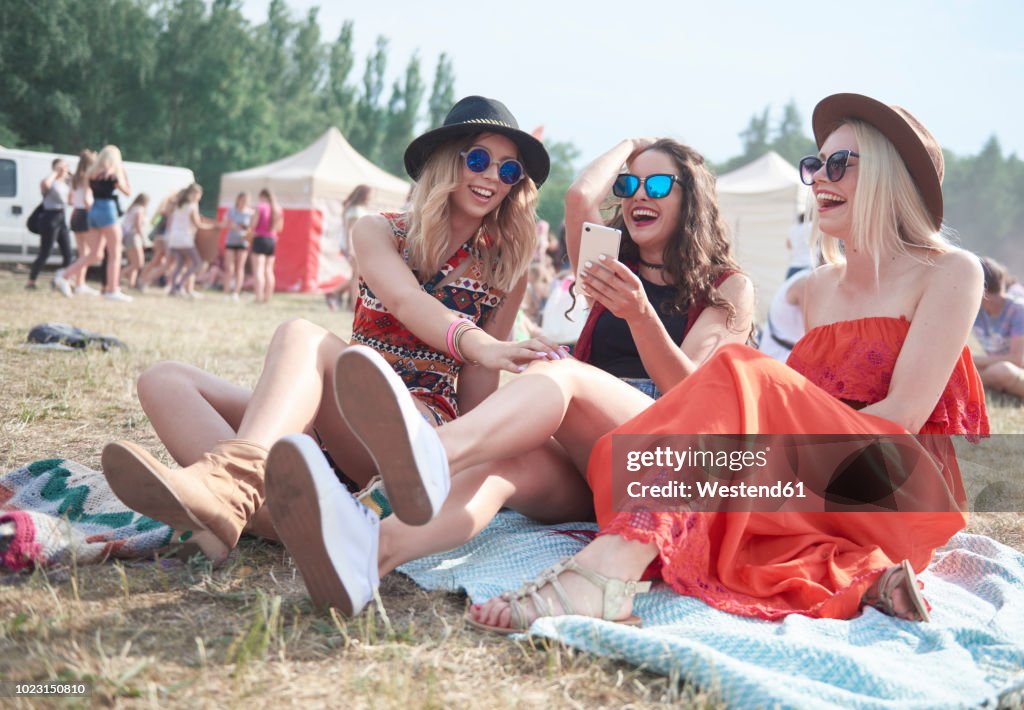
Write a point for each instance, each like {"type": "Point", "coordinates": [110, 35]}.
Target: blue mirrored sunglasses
{"type": "Point", "coordinates": [656, 186]}
{"type": "Point", "coordinates": [510, 171]}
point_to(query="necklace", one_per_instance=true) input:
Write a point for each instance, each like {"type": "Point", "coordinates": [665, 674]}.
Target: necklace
{"type": "Point", "coordinates": [649, 265]}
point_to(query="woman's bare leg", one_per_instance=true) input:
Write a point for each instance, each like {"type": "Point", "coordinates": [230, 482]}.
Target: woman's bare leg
{"type": "Point", "coordinates": [114, 247]}
{"type": "Point", "coordinates": [557, 495]}
{"type": "Point", "coordinates": [258, 273]}
{"type": "Point", "coordinates": [92, 253]}
{"type": "Point", "coordinates": [269, 282]}
{"type": "Point", "coordinates": [572, 401]}
{"type": "Point", "coordinates": [240, 257]}
{"type": "Point", "coordinates": [136, 258]}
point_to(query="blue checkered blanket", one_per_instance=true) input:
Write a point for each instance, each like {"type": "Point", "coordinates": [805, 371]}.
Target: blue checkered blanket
{"type": "Point", "coordinates": [972, 654]}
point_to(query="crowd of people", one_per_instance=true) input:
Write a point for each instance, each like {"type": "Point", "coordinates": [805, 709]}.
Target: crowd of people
{"type": "Point", "coordinates": [360, 455]}
{"type": "Point", "coordinates": [104, 234]}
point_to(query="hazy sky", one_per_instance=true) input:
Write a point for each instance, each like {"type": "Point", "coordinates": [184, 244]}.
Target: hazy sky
{"type": "Point", "coordinates": [596, 71]}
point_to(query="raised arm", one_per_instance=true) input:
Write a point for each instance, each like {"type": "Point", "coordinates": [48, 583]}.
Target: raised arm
{"type": "Point", "coordinates": [591, 187]}
{"type": "Point", "coordinates": [938, 332]}
{"type": "Point", "coordinates": [394, 284]}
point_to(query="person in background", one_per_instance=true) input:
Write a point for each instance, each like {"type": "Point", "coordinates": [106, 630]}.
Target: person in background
{"type": "Point", "coordinates": [81, 200]}
{"type": "Point", "coordinates": [269, 221]}
{"type": "Point", "coordinates": [55, 188]}
{"type": "Point", "coordinates": [799, 245]}
{"type": "Point", "coordinates": [161, 262]}
{"type": "Point", "coordinates": [999, 327]}
{"type": "Point", "coordinates": [132, 225]}
{"type": "Point", "coordinates": [785, 323]}
{"type": "Point", "coordinates": [184, 222]}
{"type": "Point", "coordinates": [105, 178]}
{"type": "Point", "coordinates": [236, 248]}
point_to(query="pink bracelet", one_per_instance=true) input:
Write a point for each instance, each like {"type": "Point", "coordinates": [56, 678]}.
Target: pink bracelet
{"type": "Point", "coordinates": [452, 330]}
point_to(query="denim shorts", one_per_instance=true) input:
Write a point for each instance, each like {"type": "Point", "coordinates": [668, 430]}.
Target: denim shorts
{"type": "Point", "coordinates": [643, 384]}
{"type": "Point", "coordinates": [103, 213]}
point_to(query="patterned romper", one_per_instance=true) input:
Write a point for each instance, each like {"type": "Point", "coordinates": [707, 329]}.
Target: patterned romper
{"type": "Point", "coordinates": [429, 374]}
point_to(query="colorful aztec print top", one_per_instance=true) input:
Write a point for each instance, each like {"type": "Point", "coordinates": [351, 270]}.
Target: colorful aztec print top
{"type": "Point", "coordinates": [428, 373]}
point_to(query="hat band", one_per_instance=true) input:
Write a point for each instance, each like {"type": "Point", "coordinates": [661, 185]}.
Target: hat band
{"type": "Point", "coordinates": [491, 122]}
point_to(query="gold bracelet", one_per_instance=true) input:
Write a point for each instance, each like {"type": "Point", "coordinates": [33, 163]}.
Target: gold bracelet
{"type": "Point", "coordinates": [465, 328]}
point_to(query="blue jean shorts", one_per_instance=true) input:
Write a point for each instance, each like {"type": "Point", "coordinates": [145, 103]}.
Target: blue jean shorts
{"type": "Point", "coordinates": [103, 213]}
{"type": "Point", "coordinates": [645, 385]}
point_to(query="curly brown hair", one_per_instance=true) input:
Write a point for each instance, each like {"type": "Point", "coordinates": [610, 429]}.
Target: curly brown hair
{"type": "Point", "coordinates": [699, 250]}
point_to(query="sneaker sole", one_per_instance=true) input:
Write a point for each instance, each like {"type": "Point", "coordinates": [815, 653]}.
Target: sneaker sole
{"type": "Point", "coordinates": [296, 493]}
{"type": "Point", "coordinates": [384, 430]}
{"type": "Point", "coordinates": [138, 484]}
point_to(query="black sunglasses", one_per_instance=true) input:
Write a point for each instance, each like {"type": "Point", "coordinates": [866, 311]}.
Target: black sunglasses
{"type": "Point", "coordinates": [835, 166]}
{"type": "Point", "coordinates": [478, 159]}
{"type": "Point", "coordinates": [656, 186]}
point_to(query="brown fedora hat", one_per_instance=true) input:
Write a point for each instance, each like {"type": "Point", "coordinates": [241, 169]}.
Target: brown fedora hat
{"type": "Point", "coordinates": [477, 114]}
{"type": "Point", "coordinates": [920, 151]}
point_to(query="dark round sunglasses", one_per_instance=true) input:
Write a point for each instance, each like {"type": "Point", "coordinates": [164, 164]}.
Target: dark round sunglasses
{"type": "Point", "coordinates": [656, 186]}
{"type": "Point", "coordinates": [478, 159]}
{"type": "Point", "coordinates": [835, 166]}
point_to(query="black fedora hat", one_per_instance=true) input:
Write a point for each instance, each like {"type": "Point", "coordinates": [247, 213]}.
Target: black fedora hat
{"type": "Point", "coordinates": [921, 153]}
{"type": "Point", "coordinates": [476, 114]}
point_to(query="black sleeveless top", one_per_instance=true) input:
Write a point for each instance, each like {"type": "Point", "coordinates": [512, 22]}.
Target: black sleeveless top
{"type": "Point", "coordinates": [103, 188]}
{"type": "Point", "coordinates": [613, 349]}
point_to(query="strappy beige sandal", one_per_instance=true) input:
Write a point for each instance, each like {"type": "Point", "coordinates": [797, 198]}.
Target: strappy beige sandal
{"type": "Point", "coordinates": [891, 580]}
{"type": "Point", "coordinates": [615, 592]}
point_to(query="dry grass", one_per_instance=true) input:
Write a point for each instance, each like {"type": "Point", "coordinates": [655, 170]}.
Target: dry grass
{"type": "Point", "coordinates": [244, 635]}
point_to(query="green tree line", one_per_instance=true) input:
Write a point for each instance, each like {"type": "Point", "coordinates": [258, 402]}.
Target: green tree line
{"type": "Point", "coordinates": [983, 193]}
{"type": "Point", "coordinates": [193, 83]}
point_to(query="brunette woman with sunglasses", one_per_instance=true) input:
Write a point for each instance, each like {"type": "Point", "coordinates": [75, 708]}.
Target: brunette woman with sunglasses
{"type": "Point", "coordinates": [884, 355]}
{"type": "Point", "coordinates": [669, 224]}
{"type": "Point", "coordinates": [439, 289]}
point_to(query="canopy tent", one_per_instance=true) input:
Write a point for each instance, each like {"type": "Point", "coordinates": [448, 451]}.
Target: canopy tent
{"type": "Point", "coordinates": [311, 186]}
{"type": "Point", "coordinates": [760, 203]}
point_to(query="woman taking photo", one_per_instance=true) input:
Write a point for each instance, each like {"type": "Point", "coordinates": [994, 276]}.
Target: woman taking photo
{"type": "Point", "coordinates": [655, 326]}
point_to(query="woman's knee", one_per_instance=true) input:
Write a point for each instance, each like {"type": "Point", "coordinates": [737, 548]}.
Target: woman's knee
{"type": "Point", "coordinates": [163, 380]}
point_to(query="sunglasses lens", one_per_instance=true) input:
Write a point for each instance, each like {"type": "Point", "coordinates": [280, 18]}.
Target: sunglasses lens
{"type": "Point", "coordinates": [625, 185]}
{"type": "Point", "coordinates": [658, 186]}
{"type": "Point", "coordinates": [477, 160]}
{"type": "Point", "coordinates": [510, 172]}
{"type": "Point", "coordinates": [809, 166]}
{"type": "Point", "coordinates": [836, 165]}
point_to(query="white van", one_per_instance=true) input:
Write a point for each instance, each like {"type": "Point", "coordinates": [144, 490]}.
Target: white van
{"type": "Point", "coordinates": [21, 171]}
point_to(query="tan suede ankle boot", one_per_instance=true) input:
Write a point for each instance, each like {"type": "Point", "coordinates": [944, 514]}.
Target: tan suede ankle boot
{"type": "Point", "coordinates": [219, 493]}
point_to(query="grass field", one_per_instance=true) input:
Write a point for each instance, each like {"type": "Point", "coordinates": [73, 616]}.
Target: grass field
{"type": "Point", "coordinates": [245, 635]}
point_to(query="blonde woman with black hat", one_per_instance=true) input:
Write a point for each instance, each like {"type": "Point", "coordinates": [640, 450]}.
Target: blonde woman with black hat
{"type": "Point", "coordinates": [439, 289]}
{"type": "Point", "coordinates": [885, 354]}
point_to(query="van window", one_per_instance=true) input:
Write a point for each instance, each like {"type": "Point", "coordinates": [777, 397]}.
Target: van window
{"type": "Point", "coordinates": [8, 178]}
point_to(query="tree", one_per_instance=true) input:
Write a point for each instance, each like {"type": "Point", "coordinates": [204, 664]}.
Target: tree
{"type": "Point", "coordinates": [365, 134]}
{"type": "Point", "coordinates": [551, 201]}
{"type": "Point", "coordinates": [338, 97]}
{"type": "Point", "coordinates": [403, 109]}
{"type": "Point", "coordinates": [790, 141]}
{"type": "Point", "coordinates": [442, 95]}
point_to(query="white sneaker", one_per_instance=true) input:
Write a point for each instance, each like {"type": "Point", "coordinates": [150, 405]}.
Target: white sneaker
{"type": "Point", "coordinates": [61, 283]}
{"type": "Point", "coordinates": [406, 449]}
{"type": "Point", "coordinates": [331, 536]}
{"type": "Point", "coordinates": [118, 295]}
{"type": "Point", "coordinates": [84, 289]}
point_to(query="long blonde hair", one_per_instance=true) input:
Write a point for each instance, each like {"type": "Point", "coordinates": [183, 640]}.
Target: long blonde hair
{"type": "Point", "coordinates": [888, 209]}
{"type": "Point", "coordinates": [504, 244]}
{"type": "Point", "coordinates": [108, 162]}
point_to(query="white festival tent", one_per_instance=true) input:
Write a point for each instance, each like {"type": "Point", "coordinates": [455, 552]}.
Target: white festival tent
{"type": "Point", "coordinates": [760, 203]}
{"type": "Point", "coordinates": [311, 186]}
